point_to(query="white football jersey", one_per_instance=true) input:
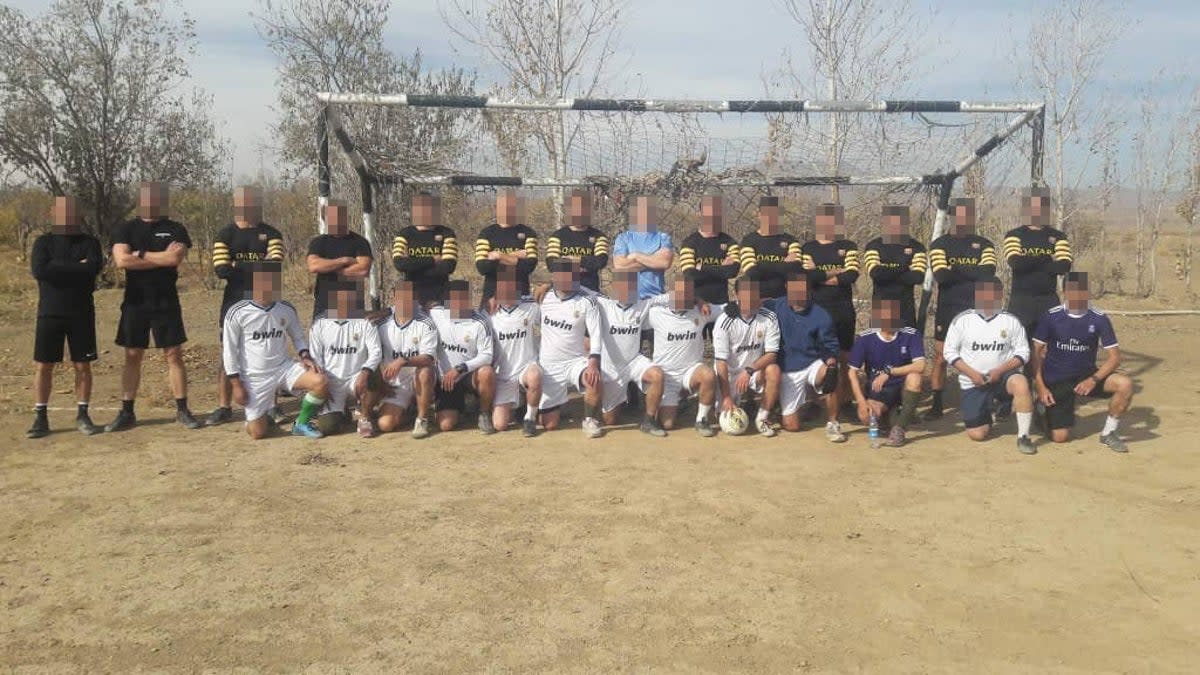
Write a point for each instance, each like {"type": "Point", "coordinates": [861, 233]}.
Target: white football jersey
{"type": "Point", "coordinates": [343, 347]}
{"type": "Point", "coordinates": [984, 343]}
{"type": "Point", "coordinates": [466, 340]}
{"type": "Point", "coordinates": [415, 337]}
{"type": "Point", "coordinates": [739, 343]}
{"type": "Point", "coordinates": [254, 340]}
{"type": "Point", "coordinates": [516, 343]}
{"type": "Point", "coordinates": [621, 338]}
{"type": "Point", "coordinates": [678, 338]}
{"type": "Point", "coordinates": [564, 322]}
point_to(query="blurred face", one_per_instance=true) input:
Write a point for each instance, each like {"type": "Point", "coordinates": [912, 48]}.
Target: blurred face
{"type": "Point", "coordinates": [683, 295]}
{"type": "Point", "coordinates": [266, 285]}
{"type": "Point", "coordinates": [506, 208]}
{"type": "Point", "coordinates": [768, 219]}
{"type": "Point", "coordinates": [565, 280]}
{"type": "Point", "coordinates": [336, 221]}
{"type": "Point", "coordinates": [460, 303]}
{"type": "Point", "coordinates": [247, 205]}
{"type": "Point", "coordinates": [885, 315]}
{"type": "Point", "coordinates": [826, 226]}
{"type": "Point", "coordinates": [712, 216]}
{"type": "Point", "coordinates": [404, 300]}
{"type": "Point", "coordinates": [894, 224]}
{"type": "Point", "coordinates": [153, 200]}
{"type": "Point", "coordinates": [797, 292]}
{"type": "Point", "coordinates": [624, 287]}
{"type": "Point", "coordinates": [580, 210]}
{"type": "Point", "coordinates": [1078, 296]}
{"type": "Point", "coordinates": [426, 211]}
{"type": "Point", "coordinates": [1035, 209]}
{"type": "Point", "coordinates": [65, 216]}
{"type": "Point", "coordinates": [987, 298]}
{"type": "Point", "coordinates": [346, 302]}
{"type": "Point", "coordinates": [964, 219]}
{"type": "Point", "coordinates": [748, 297]}
{"type": "Point", "coordinates": [506, 289]}
{"type": "Point", "coordinates": [645, 217]}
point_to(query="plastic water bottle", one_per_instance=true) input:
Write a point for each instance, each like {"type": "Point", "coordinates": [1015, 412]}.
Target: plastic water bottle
{"type": "Point", "coordinates": [873, 431]}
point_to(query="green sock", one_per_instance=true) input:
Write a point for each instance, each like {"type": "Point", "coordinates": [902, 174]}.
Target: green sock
{"type": "Point", "coordinates": [309, 405]}
{"type": "Point", "coordinates": [589, 411]}
{"type": "Point", "coordinates": [908, 401]}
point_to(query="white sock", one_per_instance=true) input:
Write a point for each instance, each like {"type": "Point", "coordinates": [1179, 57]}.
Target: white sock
{"type": "Point", "coordinates": [530, 412]}
{"type": "Point", "coordinates": [762, 415]}
{"type": "Point", "coordinates": [1110, 425]}
{"type": "Point", "coordinates": [1024, 421]}
{"type": "Point", "coordinates": [702, 411]}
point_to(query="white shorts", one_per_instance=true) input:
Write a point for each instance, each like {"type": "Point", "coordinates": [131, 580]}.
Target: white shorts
{"type": "Point", "coordinates": [340, 391]}
{"type": "Point", "coordinates": [508, 391]}
{"type": "Point", "coordinates": [260, 389]}
{"type": "Point", "coordinates": [756, 383]}
{"type": "Point", "coordinates": [676, 382]}
{"type": "Point", "coordinates": [799, 388]}
{"type": "Point", "coordinates": [559, 378]}
{"type": "Point", "coordinates": [616, 386]}
{"type": "Point", "coordinates": [404, 389]}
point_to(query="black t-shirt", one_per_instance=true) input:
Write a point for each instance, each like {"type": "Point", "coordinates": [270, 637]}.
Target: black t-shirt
{"type": "Point", "coordinates": [589, 245]}
{"type": "Point", "coordinates": [427, 258]}
{"type": "Point", "coordinates": [702, 258]}
{"type": "Point", "coordinates": [764, 258]}
{"type": "Point", "coordinates": [506, 240]}
{"type": "Point", "coordinates": [822, 258]}
{"type": "Point", "coordinates": [152, 288]}
{"type": "Point", "coordinates": [65, 285]}
{"type": "Point", "coordinates": [330, 247]}
{"type": "Point", "coordinates": [236, 246]}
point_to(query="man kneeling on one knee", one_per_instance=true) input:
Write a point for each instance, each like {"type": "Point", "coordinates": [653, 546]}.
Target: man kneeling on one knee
{"type": "Point", "coordinates": [886, 364]}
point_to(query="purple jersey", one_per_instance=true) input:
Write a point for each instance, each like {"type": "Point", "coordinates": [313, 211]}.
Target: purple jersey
{"type": "Point", "coordinates": [1071, 342]}
{"type": "Point", "coordinates": [872, 353]}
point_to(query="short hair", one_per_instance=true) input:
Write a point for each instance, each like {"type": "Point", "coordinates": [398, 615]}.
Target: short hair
{"type": "Point", "coordinates": [628, 276]}
{"type": "Point", "coordinates": [968, 202]}
{"type": "Point", "coordinates": [338, 285]}
{"type": "Point", "coordinates": [403, 286]}
{"type": "Point", "coordinates": [993, 282]}
{"type": "Point", "coordinates": [458, 285]}
{"type": "Point", "coordinates": [768, 200]}
{"type": "Point", "coordinates": [1079, 279]}
{"type": "Point", "coordinates": [895, 210]}
{"type": "Point", "coordinates": [828, 209]}
{"type": "Point", "coordinates": [746, 282]}
{"type": "Point", "coordinates": [253, 267]}
{"type": "Point", "coordinates": [562, 265]}
{"type": "Point", "coordinates": [798, 276]}
{"type": "Point", "coordinates": [424, 196]}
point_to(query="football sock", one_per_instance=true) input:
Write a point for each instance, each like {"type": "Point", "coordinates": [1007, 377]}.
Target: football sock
{"type": "Point", "coordinates": [702, 411]}
{"type": "Point", "coordinates": [762, 414]}
{"type": "Point", "coordinates": [1024, 421]}
{"type": "Point", "coordinates": [39, 410]}
{"type": "Point", "coordinates": [531, 412]}
{"type": "Point", "coordinates": [909, 402]}
{"type": "Point", "coordinates": [181, 404]}
{"type": "Point", "coordinates": [309, 405]}
{"type": "Point", "coordinates": [589, 410]}
{"type": "Point", "coordinates": [936, 402]}
{"type": "Point", "coordinates": [127, 406]}
{"type": "Point", "coordinates": [1110, 425]}
{"type": "Point", "coordinates": [81, 408]}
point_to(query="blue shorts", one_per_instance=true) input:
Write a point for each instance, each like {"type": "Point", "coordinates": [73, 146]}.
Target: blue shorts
{"type": "Point", "coordinates": [976, 403]}
{"type": "Point", "coordinates": [889, 396]}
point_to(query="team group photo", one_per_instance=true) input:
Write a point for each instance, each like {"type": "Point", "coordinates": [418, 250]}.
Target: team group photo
{"type": "Point", "coordinates": [383, 336]}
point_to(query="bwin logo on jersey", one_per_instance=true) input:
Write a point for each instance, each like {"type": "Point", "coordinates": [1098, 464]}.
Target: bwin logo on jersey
{"type": "Point", "coordinates": [554, 323]}
{"type": "Point", "coordinates": [266, 334]}
{"type": "Point", "coordinates": [749, 348]}
{"type": "Point", "coordinates": [689, 335]}
{"type": "Point", "coordinates": [624, 330]}
{"type": "Point", "coordinates": [461, 349]}
{"type": "Point", "coordinates": [343, 351]}
{"type": "Point", "coordinates": [988, 346]}
{"type": "Point", "coordinates": [514, 335]}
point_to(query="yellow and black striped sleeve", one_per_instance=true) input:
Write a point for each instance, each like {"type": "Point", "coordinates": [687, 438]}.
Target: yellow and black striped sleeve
{"type": "Point", "coordinates": [531, 246]}
{"type": "Point", "coordinates": [275, 249]}
{"type": "Point", "coordinates": [222, 257]}
{"type": "Point", "coordinates": [794, 250]}
{"type": "Point", "coordinates": [870, 260]}
{"type": "Point", "coordinates": [450, 247]}
{"type": "Point", "coordinates": [988, 256]}
{"type": "Point", "coordinates": [1062, 251]}
{"type": "Point", "coordinates": [687, 259]}
{"type": "Point", "coordinates": [851, 263]}
{"type": "Point", "coordinates": [399, 247]}
{"type": "Point", "coordinates": [748, 257]}
{"type": "Point", "coordinates": [937, 259]}
{"type": "Point", "coordinates": [601, 245]}
{"type": "Point", "coordinates": [1012, 248]}
{"type": "Point", "coordinates": [920, 262]}
{"type": "Point", "coordinates": [482, 248]}
{"type": "Point", "coordinates": [553, 248]}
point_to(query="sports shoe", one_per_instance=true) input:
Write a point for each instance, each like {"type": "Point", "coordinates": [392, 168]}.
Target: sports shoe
{"type": "Point", "coordinates": [278, 417]}
{"type": "Point", "coordinates": [765, 428]}
{"type": "Point", "coordinates": [485, 424]}
{"type": "Point", "coordinates": [218, 416]}
{"type": "Point", "coordinates": [1114, 442]}
{"type": "Point", "coordinates": [123, 422]}
{"type": "Point", "coordinates": [704, 428]}
{"type": "Point", "coordinates": [306, 430]}
{"type": "Point", "coordinates": [1026, 446]}
{"type": "Point", "coordinates": [40, 428]}
{"type": "Point", "coordinates": [365, 428]}
{"type": "Point", "coordinates": [895, 437]}
{"type": "Point", "coordinates": [420, 428]}
{"type": "Point", "coordinates": [934, 413]}
{"type": "Point", "coordinates": [85, 426]}
{"type": "Point", "coordinates": [188, 420]}
{"type": "Point", "coordinates": [529, 428]}
{"type": "Point", "coordinates": [591, 428]}
{"type": "Point", "coordinates": [651, 426]}
{"type": "Point", "coordinates": [833, 432]}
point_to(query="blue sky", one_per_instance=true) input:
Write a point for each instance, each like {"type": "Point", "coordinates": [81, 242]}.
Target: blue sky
{"type": "Point", "coordinates": [713, 49]}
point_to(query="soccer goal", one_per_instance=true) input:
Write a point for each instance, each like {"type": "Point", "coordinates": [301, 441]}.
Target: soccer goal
{"type": "Point", "coordinates": [906, 151]}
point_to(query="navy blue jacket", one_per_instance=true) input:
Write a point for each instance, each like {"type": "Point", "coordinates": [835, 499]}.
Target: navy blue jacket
{"type": "Point", "coordinates": [805, 336]}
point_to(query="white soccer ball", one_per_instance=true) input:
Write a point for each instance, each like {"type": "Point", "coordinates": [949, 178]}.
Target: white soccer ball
{"type": "Point", "coordinates": [734, 421]}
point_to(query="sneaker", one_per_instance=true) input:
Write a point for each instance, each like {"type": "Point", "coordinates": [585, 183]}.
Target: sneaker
{"type": "Point", "coordinates": [85, 426]}
{"type": "Point", "coordinates": [652, 427]}
{"type": "Point", "coordinates": [123, 422]}
{"type": "Point", "coordinates": [420, 428]}
{"type": "Point", "coordinates": [591, 428]}
{"type": "Point", "coordinates": [529, 428]}
{"type": "Point", "coordinates": [1114, 442]}
{"type": "Point", "coordinates": [765, 428]}
{"type": "Point", "coordinates": [934, 413]}
{"type": "Point", "coordinates": [306, 430]}
{"type": "Point", "coordinates": [704, 428]}
{"type": "Point", "coordinates": [219, 416]}
{"type": "Point", "coordinates": [188, 420]}
{"type": "Point", "coordinates": [833, 432]}
{"type": "Point", "coordinates": [366, 428]}
{"type": "Point", "coordinates": [278, 417]}
{"type": "Point", "coordinates": [485, 424]}
{"type": "Point", "coordinates": [40, 428]}
{"type": "Point", "coordinates": [1026, 446]}
{"type": "Point", "coordinates": [895, 437]}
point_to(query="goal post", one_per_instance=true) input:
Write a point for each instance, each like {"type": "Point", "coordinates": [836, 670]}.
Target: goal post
{"type": "Point", "coordinates": [390, 163]}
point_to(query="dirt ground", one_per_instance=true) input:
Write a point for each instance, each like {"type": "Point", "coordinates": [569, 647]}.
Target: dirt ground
{"type": "Point", "coordinates": [161, 549]}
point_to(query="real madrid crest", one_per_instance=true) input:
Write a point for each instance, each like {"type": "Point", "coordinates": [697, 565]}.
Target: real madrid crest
{"type": "Point", "coordinates": [576, 314]}
{"type": "Point", "coordinates": [416, 340]}
{"type": "Point", "coordinates": [1004, 334]}
{"type": "Point", "coordinates": [520, 235]}
{"type": "Point", "coordinates": [908, 251]}
{"type": "Point", "coordinates": [842, 252]}
{"type": "Point", "coordinates": [262, 236]}
{"type": "Point", "coordinates": [357, 337]}
{"type": "Point", "coordinates": [437, 237]}
{"type": "Point", "coordinates": [975, 245]}
{"type": "Point", "coordinates": [591, 240]}
{"type": "Point", "coordinates": [759, 335]}
{"type": "Point", "coordinates": [783, 244]}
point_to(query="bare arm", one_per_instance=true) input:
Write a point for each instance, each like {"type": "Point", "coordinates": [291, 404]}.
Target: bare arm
{"type": "Point", "coordinates": [359, 269]}
{"type": "Point", "coordinates": [126, 259]}
{"type": "Point", "coordinates": [627, 263]}
{"type": "Point", "coordinates": [318, 265]}
{"type": "Point", "coordinates": [660, 260]}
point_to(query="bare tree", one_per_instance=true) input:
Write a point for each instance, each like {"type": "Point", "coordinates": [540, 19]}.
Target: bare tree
{"type": "Point", "coordinates": [1065, 48]}
{"type": "Point", "coordinates": [857, 49]}
{"type": "Point", "coordinates": [89, 102]}
{"type": "Point", "coordinates": [1189, 204]}
{"type": "Point", "coordinates": [1157, 177]}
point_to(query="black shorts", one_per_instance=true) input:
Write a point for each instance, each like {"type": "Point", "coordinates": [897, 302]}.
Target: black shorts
{"type": "Point", "coordinates": [943, 317]}
{"type": "Point", "coordinates": [455, 399]}
{"type": "Point", "coordinates": [845, 321]}
{"type": "Point", "coordinates": [1029, 308]}
{"type": "Point", "coordinates": [138, 323]}
{"type": "Point", "coordinates": [77, 331]}
{"type": "Point", "coordinates": [1061, 415]}
{"type": "Point", "coordinates": [976, 403]}
{"type": "Point", "coordinates": [890, 396]}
